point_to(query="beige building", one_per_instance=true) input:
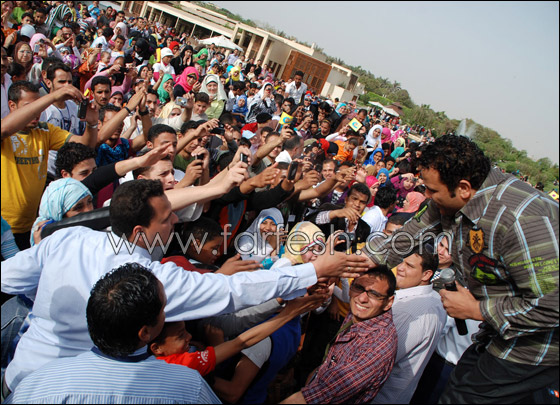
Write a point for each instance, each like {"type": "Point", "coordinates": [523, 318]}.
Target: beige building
{"type": "Point", "coordinates": [282, 55]}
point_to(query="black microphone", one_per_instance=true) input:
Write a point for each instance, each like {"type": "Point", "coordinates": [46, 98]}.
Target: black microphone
{"type": "Point", "coordinates": [447, 277]}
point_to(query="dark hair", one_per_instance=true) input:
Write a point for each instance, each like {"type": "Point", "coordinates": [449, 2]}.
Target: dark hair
{"type": "Point", "coordinates": [104, 109]}
{"type": "Point", "coordinates": [362, 110]}
{"type": "Point", "coordinates": [456, 158]}
{"type": "Point", "coordinates": [130, 205]}
{"type": "Point", "coordinates": [15, 90]}
{"type": "Point", "coordinates": [385, 197]}
{"type": "Point", "coordinates": [239, 85]}
{"type": "Point", "coordinates": [16, 69]}
{"type": "Point", "coordinates": [158, 129]}
{"type": "Point", "coordinates": [202, 97]}
{"type": "Point", "coordinates": [108, 32]}
{"type": "Point", "coordinates": [203, 229]}
{"type": "Point", "coordinates": [266, 130]}
{"type": "Point", "coordinates": [326, 107]}
{"type": "Point", "coordinates": [100, 80]}
{"type": "Point", "coordinates": [400, 218]}
{"type": "Point", "coordinates": [289, 100]}
{"type": "Point", "coordinates": [121, 37]}
{"type": "Point", "coordinates": [51, 70]}
{"type": "Point", "coordinates": [382, 272]}
{"type": "Point", "coordinates": [298, 73]}
{"type": "Point", "coordinates": [27, 15]}
{"type": "Point", "coordinates": [353, 141]}
{"type": "Point", "coordinates": [244, 142]}
{"type": "Point", "coordinates": [429, 255]}
{"type": "Point", "coordinates": [42, 10]}
{"type": "Point", "coordinates": [292, 143]}
{"type": "Point", "coordinates": [120, 304]}
{"type": "Point", "coordinates": [71, 154]}
{"type": "Point", "coordinates": [390, 159]}
{"type": "Point", "coordinates": [360, 188]}
{"type": "Point", "coordinates": [190, 125]}
{"type": "Point", "coordinates": [144, 169]}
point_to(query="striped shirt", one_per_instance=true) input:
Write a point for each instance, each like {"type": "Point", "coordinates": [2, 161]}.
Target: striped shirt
{"type": "Point", "coordinates": [505, 244]}
{"type": "Point", "coordinates": [357, 364]}
{"type": "Point", "coordinates": [95, 379]}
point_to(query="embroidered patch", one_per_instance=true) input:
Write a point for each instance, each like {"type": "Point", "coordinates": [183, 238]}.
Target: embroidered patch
{"type": "Point", "coordinates": [476, 240]}
{"type": "Point", "coordinates": [482, 269]}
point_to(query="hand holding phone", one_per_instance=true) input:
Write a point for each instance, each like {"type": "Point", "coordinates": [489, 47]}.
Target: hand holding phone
{"type": "Point", "coordinates": [292, 170]}
{"type": "Point", "coordinates": [82, 112]}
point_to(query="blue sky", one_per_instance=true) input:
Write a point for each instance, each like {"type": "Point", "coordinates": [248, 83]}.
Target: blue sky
{"type": "Point", "coordinates": [493, 62]}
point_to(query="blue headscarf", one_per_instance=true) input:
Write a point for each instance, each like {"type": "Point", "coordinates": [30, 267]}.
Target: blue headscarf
{"type": "Point", "coordinates": [370, 160]}
{"type": "Point", "coordinates": [59, 198]}
{"type": "Point", "coordinates": [386, 172]}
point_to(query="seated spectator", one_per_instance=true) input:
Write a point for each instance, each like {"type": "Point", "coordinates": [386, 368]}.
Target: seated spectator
{"type": "Point", "coordinates": [361, 357]}
{"type": "Point", "coordinates": [419, 317]}
{"type": "Point", "coordinates": [125, 312]}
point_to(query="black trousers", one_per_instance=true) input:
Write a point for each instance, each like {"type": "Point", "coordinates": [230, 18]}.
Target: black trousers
{"type": "Point", "coordinates": [484, 379]}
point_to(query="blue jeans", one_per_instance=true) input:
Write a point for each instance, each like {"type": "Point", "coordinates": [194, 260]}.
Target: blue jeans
{"type": "Point", "coordinates": [14, 312]}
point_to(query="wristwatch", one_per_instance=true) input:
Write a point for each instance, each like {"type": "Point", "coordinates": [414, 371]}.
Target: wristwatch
{"type": "Point", "coordinates": [142, 113]}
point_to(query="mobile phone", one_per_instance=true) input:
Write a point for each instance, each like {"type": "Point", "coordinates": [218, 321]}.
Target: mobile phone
{"type": "Point", "coordinates": [244, 158]}
{"type": "Point", "coordinates": [219, 130]}
{"type": "Point", "coordinates": [199, 157]}
{"type": "Point", "coordinates": [37, 48]}
{"type": "Point", "coordinates": [292, 170]}
{"type": "Point", "coordinates": [83, 109]}
{"type": "Point", "coordinates": [181, 101]}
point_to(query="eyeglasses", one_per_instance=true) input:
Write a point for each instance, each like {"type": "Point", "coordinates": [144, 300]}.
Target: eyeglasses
{"type": "Point", "coordinates": [372, 294]}
{"type": "Point", "coordinates": [191, 77]}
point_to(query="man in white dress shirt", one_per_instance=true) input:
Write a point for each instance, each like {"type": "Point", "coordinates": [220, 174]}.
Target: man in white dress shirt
{"type": "Point", "coordinates": [61, 270]}
{"type": "Point", "coordinates": [419, 317]}
{"type": "Point", "coordinates": [297, 88]}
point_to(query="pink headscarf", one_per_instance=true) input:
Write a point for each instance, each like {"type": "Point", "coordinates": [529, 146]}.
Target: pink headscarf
{"type": "Point", "coordinates": [386, 135]}
{"type": "Point", "coordinates": [414, 200]}
{"type": "Point", "coordinates": [370, 181]}
{"type": "Point", "coordinates": [35, 38]}
{"type": "Point", "coordinates": [182, 80]}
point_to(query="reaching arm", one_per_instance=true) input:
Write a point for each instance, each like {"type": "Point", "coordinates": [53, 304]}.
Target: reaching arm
{"type": "Point", "coordinates": [113, 124]}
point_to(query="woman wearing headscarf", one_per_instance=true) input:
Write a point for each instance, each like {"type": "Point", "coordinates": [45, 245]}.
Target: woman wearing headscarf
{"type": "Point", "coordinates": [302, 246]}
{"type": "Point", "coordinates": [383, 178]}
{"type": "Point", "coordinates": [57, 17]}
{"type": "Point", "coordinates": [183, 60]}
{"type": "Point", "coordinates": [375, 157]}
{"type": "Point", "coordinates": [373, 138]}
{"type": "Point", "coordinates": [165, 85]}
{"type": "Point", "coordinates": [170, 110]}
{"type": "Point", "coordinates": [201, 58]}
{"type": "Point", "coordinates": [186, 82]}
{"type": "Point", "coordinates": [63, 198]}
{"type": "Point", "coordinates": [260, 242]}
{"type": "Point", "coordinates": [263, 102]}
{"type": "Point", "coordinates": [212, 85]}
{"type": "Point", "coordinates": [399, 148]}
{"type": "Point", "coordinates": [412, 202]}
{"type": "Point", "coordinates": [372, 183]}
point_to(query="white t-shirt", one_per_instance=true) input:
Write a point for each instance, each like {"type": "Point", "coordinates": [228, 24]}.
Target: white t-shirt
{"type": "Point", "coordinates": [375, 219]}
{"type": "Point", "coordinates": [65, 118]}
{"type": "Point", "coordinates": [294, 92]}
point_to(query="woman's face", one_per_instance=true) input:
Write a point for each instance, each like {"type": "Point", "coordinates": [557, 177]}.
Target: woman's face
{"type": "Point", "coordinates": [24, 53]}
{"type": "Point", "coordinates": [84, 205]}
{"type": "Point", "coordinates": [143, 72]}
{"type": "Point", "coordinates": [376, 132]}
{"type": "Point", "coordinates": [212, 87]}
{"type": "Point", "coordinates": [311, 254]}
{"type": "Point", "coordinates": [191, 79]}
{"type": "Point", "coordinates": [267, 91]}
{"type": "Point", "coordinates": [175, 112]}
{"type": "Point", "coordinates": [408, 183]}
{"type": "Point", "coordinates": [380, 165]}
{"type": "Point", "coordinates": [268, 227]}
{"type": "Point", "coordinates": [188, 53]}
{"type": "Point", "coordinates": [116, 100]}
{"type": "Point", "coordinates": [382, 178]}
{"type": "Point", "coordinates": [377, 157]}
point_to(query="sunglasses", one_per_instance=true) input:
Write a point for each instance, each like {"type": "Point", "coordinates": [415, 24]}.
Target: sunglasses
{"type": "Point", "coordinates": [372, 294]}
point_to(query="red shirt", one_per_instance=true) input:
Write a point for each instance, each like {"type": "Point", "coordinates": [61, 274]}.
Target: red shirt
{"type": "Point", "coordinates": [204, 362]}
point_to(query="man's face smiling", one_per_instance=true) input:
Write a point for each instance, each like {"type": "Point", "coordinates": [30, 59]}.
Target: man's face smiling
{"type": "Point", "coordinates": [362, 306]}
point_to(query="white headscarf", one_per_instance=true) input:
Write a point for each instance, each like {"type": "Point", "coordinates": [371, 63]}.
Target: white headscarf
{"type": "Point", "coordinates": [253, 235]}
{"type": "Point", "coordinates": [221, 93]}
{"type": "Point", "coordinates": [260, 96]}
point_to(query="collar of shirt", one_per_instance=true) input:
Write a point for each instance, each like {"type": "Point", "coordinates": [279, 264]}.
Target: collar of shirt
{"type": "Point", "coordinates": [139, 355]}
{"type": "Point", "coordinates": [413, 291]}
{"type": "Point", "coordinates": [367, 327]}
{"type": "Point", "coordinates": [474, 209]}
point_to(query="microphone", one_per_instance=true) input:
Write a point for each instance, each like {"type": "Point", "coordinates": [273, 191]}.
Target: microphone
{"type": "Point", "coordinates": [447, 277]}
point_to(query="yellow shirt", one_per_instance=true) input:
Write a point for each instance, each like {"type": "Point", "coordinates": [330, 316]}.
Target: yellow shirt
{"type": "Point", "coordinates": [24, 172]}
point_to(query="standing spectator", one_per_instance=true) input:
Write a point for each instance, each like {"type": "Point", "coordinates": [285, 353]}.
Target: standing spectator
{"type": "Point", "coordinates": [297, 88]}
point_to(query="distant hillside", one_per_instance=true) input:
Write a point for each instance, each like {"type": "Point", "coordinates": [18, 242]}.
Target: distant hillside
{"type": "Point", "coordinates": [380, 89]}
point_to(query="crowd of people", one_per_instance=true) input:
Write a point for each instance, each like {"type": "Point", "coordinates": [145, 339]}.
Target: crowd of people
{"type": "Point", "coordinates": [180, 225]}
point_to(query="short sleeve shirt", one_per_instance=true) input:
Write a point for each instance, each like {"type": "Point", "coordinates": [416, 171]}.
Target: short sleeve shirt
{"type": "Point", "coordinates": [204, 362]}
